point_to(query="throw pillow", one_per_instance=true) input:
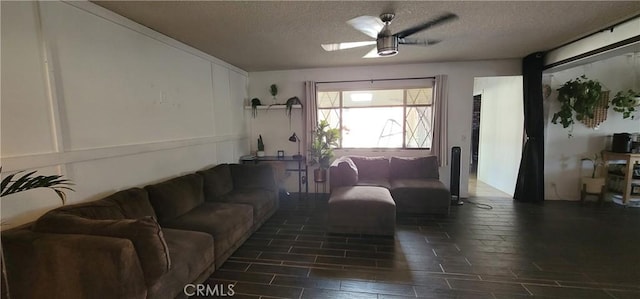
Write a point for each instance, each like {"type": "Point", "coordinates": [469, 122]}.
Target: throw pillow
{"type": "Point", "coordinates": [347, 172]}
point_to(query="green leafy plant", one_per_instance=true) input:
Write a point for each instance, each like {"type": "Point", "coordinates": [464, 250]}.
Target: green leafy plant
{"type": "Point", "coordinates": [596, 161]}
{"type": "Point", "coordinates": [580, 96]}
{"type": "Point", "coordinates": [324, 141]}
{"type": "Point", "coordinates": [260, 144]}
{"type": "Point", "coordinates": [626, 102]}
{"type": "Point", "coordinates": [29, 181]}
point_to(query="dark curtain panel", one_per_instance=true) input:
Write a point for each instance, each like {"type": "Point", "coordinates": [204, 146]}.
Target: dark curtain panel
{"type": "Point", "coordinates": [530, 183]}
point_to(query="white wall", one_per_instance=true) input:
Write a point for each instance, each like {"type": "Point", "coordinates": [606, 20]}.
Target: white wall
{"type": "Point", "coordinates": [562, 156]}
{"type": "Point", "coordinates": [501, 130]}
{"type": "Point", "coordinates": [108, 103]}
{"type": "Point", "coordinates": [460, 80]}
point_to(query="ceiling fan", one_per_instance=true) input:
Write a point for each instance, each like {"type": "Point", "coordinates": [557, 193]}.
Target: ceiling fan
{"type": "Point", "coordinates": [387, 43]}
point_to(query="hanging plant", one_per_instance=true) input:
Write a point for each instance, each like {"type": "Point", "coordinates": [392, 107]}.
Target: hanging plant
{"type": "Point", "coordinates": [578, 99]}
{"type": "Point", "coordinates": [255, 102]}
{"type": "Point", "coordinates": [290, 102]}
{"type": "Point", "coordinates": [626, 102]}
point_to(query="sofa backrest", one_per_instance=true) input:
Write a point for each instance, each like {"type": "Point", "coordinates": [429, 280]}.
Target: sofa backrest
{"type": "Point", "coordinates": [217, 181]}
{"type": "Point", "coordinates": [371, 168]}
{"type": "Point", "coordinates": [414, 168]}
{"type": "Point", "coordinates": [177, 196]}
{"type": "Point", "coordinates": [103, 209]}
{"type": "Point", "coordinates": [253, 176]}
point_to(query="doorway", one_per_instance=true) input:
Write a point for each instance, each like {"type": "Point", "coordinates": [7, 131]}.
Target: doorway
{"type": "Point", "coordinates": [496, 136]}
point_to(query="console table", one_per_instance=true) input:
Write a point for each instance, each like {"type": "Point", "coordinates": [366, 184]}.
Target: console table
{"type": "Point", "coordinates": [300, 163]}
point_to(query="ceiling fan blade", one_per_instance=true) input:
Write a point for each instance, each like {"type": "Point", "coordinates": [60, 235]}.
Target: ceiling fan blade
{"type": "Point", "coordinates": [368, 25]}
{"type": "Point", "coordinates": [372, 54]}
{"type": "Point", "coordinates": [437, 21]}
{"type": "Point", "coordinates": [417, 41]}
{"type": "Point", "coordinates": [349, 45]}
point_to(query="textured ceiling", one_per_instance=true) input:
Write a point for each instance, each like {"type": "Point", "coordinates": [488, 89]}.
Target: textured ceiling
{"type": "Point", "coordinates": [278, 35]}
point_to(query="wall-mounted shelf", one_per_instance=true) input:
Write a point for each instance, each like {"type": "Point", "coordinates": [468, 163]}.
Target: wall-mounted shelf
{"type": "Point", "coordinates": [277, 106]}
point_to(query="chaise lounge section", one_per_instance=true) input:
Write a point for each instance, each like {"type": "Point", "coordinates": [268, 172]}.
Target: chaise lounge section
{"type": "Point", "coordinates": [414, 183]}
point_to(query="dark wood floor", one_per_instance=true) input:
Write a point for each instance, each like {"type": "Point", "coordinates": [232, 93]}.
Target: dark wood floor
{"type": "Point", "coordinates": [515, 250]}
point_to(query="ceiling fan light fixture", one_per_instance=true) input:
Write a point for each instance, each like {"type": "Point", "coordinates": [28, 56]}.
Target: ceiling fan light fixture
{"type": "Point", "coordinates": [387, 45]}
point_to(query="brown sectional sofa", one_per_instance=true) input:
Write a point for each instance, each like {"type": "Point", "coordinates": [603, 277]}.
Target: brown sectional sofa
{"type": "Point", "coordinates": [141, 243]}
{"type": "Point", "coordinates": [413, 182]}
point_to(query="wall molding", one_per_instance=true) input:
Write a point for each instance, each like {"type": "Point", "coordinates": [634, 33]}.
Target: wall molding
{"type": "Point", "coordinates": [31, 161]}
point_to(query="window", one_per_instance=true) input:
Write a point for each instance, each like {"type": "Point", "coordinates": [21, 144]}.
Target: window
{"type": "Point", "coordinates": [379, 114]}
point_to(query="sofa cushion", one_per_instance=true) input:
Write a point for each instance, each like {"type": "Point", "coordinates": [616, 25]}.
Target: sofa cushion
{"type": "Point", "coordinates": [414, 168]}
{"type": "Point", "coordinates": [263, 202]}
{"type": "Point", "coordinates": [134, 203]}
{"type": "Point", "coordinates": [100, 210]}
{"type": "Point", "coordinates": [362, 209]}
{"type": "Point", "coordinates": [217, 181]}
{"type": "Point", "coordinates": [192, 256]}
{"type": "Point", "coordinates": [145, 234]}
{"type": "Point", "coordinates": [420, 196]}
{"type": "Point", "coordinates": [227, 223]}
{"type": "Point", "coordinates": [175, 197]}
{"type": "Point", "coordinates": [371, 167]}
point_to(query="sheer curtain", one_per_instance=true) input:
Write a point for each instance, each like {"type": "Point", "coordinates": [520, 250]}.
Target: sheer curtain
{"type": "Point", "coordinates": [439, 146]}
{"type": "Point", "coordinates": [310, 115]}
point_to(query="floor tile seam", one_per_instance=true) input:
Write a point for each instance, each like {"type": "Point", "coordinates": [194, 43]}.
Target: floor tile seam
{"type": "Point", "coordinates": [621, 288]}
{"type": "Point", "coordinates": [558, 280]}
{"type": "Point", "coordinates": [324, 255]}
{"type": "Point", "coordinates": [261, 295]}
{"type": "Point", "coordinates": [611, 295]}
{"type": "Point", "coordinates": [378, 292]}
{"type": "Point", "coordinates": [356, 292]}
{"type": "Point", "coordinates": [577, 287]}
{"type": "Point", "coordinates": [273, 273]}
{"type": "Point", "coordinates": [507, 282]}
{"type": "Point", "coordinates": [542, 282]}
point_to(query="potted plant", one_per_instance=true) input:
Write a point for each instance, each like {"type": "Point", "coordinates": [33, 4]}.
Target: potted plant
{"type": "Point", "coordinates": [593, 184]}
{"type": "Point", "coordinates": [260, 152]}
{"type": "Point", "coordinates": [626, 102]}
{"type": "Point", "coordinates": [321, 151]}
{"type": "Point", "coordinates": [578, 99]}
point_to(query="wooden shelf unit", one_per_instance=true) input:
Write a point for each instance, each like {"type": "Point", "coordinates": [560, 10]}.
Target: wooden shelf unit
{"type": "Point", "coordinates": [630, 160]}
